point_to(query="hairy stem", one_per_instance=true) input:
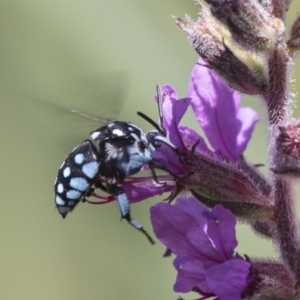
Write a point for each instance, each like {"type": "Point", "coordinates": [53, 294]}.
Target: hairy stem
{"type": "Point", "coordinates": [287, 231]}
{"type": "Point", "coordinates": [276, 95]}
{"type": "Point", "coordinates": [285, 218]}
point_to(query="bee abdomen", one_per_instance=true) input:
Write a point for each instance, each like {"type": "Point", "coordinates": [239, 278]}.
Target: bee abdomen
{"type": "Point", "coordinates": [75, 177]}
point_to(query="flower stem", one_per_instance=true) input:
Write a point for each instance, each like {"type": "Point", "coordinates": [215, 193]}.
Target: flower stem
{"type": "Point", "coordinates": [276, 95]}
{"type": "Point", "coordinates": [287, 231]}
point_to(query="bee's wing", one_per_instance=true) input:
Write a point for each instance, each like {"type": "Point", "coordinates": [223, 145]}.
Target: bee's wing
{"type": "Point", "coordinates": [100, 97]}
{"type": "Point", "coordinates": [91, 98]}
{"type": "Point", "coordinates": [81, 105]}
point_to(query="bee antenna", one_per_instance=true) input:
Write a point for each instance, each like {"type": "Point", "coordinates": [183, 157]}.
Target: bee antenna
{"type": "Point", "coordinates": [153, 123]}
{"type": "Point", "coordinates": [160, 128]}
{"type": "Point", "coordinates": [160, 111]}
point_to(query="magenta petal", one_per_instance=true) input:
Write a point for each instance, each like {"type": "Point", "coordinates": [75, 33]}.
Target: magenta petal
{"type": "Point", "coordinates": [179, 109]}
{"type": "Point", "coordinates": [192, 240]}
{"type": "Point", "coordinates": [221, 230]}
{"type": "Point", "coordinates": [205, 250]}
{"type": "Point", "coordinates": [190, 274]}
{"type": "Point", "coordinates": [215, 108]}
{"type": "Point", "coordinates": [170, 160]}
{"type": "Point", "coordinates": [248, 118]}
{"type": "Point", "coordinates": [219, 225]}
{"type": "Point", "coordinates": [136, 193]}
{"type": "Point", "coordinates": [190, 138]}
{"type": "Point", "coordinates": [171, 226]}
{"type": "Point", "coordinates": [173, 111]}
{"type": "Point", "coordinates": [229, 279]}
{"type": "Point", "coordinates": [193, 208]}
{"type": "Point", "coordinates": [169, 98]}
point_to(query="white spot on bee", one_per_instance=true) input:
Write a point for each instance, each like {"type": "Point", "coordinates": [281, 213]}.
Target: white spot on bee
{"type": "Point", "coordinates": [135, 136]}
{"type": "Point", "coordinates": [60, 188]}
{"type": "Point", "coordinates": [79, 158]}
{"type": "Point", "coordinates": [94, 135]}
{"type": "Point", "coordinates": [144, 139]}
{"type": "Point", "coordinates": [111, 124]}
{"type": "Point", "coordinates": [134, 149]}
{"type": "Point", "coordinates": [112, 151]}
{"type": "Point", "coordinates": [59, 201]}
{"type": "Point", "coordinates": [147, 153]}
{"type": "Point", "coordinates": [151, 147]}
{"type": "Point", "coordinates": [130, 125]}
{"type": "Point", "coordinates": [67, 172]}
{"type": "Point", "coordinates": [90, 169]}
{"type": "Point", "coordinates": [72, 194]}
{"type": "Point", "coordinates": [79, 183]}
{"type": "Point", "coordinates": [118, 132]}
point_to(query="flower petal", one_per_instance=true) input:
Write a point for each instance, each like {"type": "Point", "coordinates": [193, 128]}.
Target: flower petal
{"type": "Point", "coordinates": [137, 193]}
{"type": "Point", "coordinates": [228, 280]}
{"type": "Point", "coordinates": [173, 111]}
{"type": "Point", "coordinates": [170, 160]}
{"type": "Point", "coordinates": [171, 225]}
{"type": "Point", "coordinates": [221, 231]}
{"type": "Point", "coordinates": [190, 138]}
{"type": "Point", "coordinates": [248, 119]}
{"type": "Point", "coordinates": [180, 227]}
{"type": "Point", "coordinates": [219, 225]}
{"type": "Point", "coordinates": [194, 208]}
{"type": "Point", "coordinates": [179, 109]}
{"type": "Point", "coordinates": [190, 274]}
{"type": "Point", "coordinates": [169, 96]}
{"type": "Point", "coordinates": [215, 107]}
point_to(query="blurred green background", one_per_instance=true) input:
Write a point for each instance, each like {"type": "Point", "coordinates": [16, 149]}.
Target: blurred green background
{"type": "Point", "coordinates": [90, 55]}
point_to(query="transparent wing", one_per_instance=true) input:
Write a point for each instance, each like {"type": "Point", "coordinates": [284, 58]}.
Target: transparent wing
{"type": "Point", "coordinates": [81, 105]}
{"type": "Point", "coordinates": [98, 97]}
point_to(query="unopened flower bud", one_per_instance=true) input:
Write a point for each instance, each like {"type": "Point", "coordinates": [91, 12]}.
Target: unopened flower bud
{"type": "Point", "coordinates": [294, 41]}
{"type": "Point", "coordinates": [235, 185]}
{"type": "Point", "coordinates": [271, 280]}
{"type": "Point", "coordinates": [243, 70]}
{"type": "Point", "coordinates": [265, 228]}
{"type": "Point", "coordinates": [250, 24]}
{"type": "Point", "coordinates": [287, 152]}
{"type": "Point", "coordinates": [277, 8]}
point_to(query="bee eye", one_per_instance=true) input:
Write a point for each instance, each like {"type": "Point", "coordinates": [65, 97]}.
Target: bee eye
{"type": "Point", "coordinates": [130, 140]}
{"type": "Point", "coordinates": [142, 146]}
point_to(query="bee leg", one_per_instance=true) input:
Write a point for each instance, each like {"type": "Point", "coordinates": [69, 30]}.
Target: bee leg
{"type": "Point", "coordinates": [152, 168]}
{"type": "Point", "coordinates": [101, 186]}
{"type": "Point", "coordinates": [125, 210]}
{"type": "Point", "coordinates": [90, 192]}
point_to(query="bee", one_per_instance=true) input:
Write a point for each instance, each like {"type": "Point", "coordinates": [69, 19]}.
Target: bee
{"type": "Point", "coordinates": [113, 153]}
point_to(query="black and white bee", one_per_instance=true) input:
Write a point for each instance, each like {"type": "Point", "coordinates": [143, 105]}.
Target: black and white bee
{"type": "Point", "coordinates": [113, 152]}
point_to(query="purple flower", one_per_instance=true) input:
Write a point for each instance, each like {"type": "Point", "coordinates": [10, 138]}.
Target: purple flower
{"type": "Point", "coordinates": [203, 242]}
{"type": "Point", "coordinates": [173, 111]}
{"type": "Point", "coordinates": [139, 188]}
{"type": "Point", "coordinates": [227, 126]}
{"type": "Point", "coordinates": [183, 137]}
